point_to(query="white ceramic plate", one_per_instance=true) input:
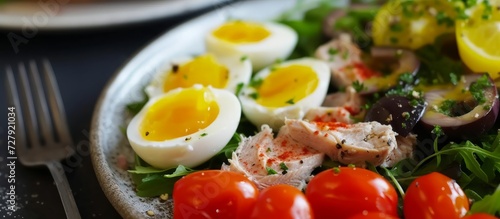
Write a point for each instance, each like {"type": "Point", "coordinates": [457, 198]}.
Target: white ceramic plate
{"type": "Point", "coordinates": [61, 14]}
{"type": "Point", "coordinates": [108, 142]}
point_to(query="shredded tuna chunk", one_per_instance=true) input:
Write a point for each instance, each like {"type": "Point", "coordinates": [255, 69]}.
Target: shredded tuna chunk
{"type": "Point", "coordinates": [406, 146]}
{"type": "Point", "coordinates": [269, 161]}
{"type": "Point", "coordinates": [355, 144]}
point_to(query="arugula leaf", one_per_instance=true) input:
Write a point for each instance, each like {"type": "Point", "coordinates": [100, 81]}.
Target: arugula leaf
{"type": "Point", "coordinates": [153, 185]}
{"type": "Point", "coordinates": [180, 171]}
{"type": "Point", "coordinates": [152, 182]}
{"type": "Point", "coordinates": [489, 204]}
{"type": "Point", "coordinates": [145, 170]}
{"type": "Point", "coordinates": [472, 164]}
{"type": "Point", "coordinates": [475, 166]}
{"type": "Point", "coordinates": [136, 107]}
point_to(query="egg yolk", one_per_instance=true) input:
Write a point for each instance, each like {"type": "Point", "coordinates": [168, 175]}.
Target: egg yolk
{"type": "Point", "coordinates": [241, 32]}
{"type": "Point", "coordinates": [204, 70]}
{"type": "Point", "coordinates": [179, 114]}
{"type": "Point", "coordinates": [287, 85]}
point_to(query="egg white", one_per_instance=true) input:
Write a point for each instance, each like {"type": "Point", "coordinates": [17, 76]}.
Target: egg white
{"type": "Point", "coordinates": [275, 116]}
{"type": "Point", "coordinates": [277, 46]}
{"type": "Point", "coordinates": [193, 149]}
{"type": "Point", "coordinates": [240, 72]}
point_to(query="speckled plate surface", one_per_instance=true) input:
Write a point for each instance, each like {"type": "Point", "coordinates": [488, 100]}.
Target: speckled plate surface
{"type": "Point", "coordinates": [108, 142]}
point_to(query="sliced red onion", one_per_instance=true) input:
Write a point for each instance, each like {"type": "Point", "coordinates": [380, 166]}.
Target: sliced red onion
{"type": "Point", "coordinates": [469, 119]}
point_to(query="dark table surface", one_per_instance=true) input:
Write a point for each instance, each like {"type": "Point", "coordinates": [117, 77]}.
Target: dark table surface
{"type": "Point", "coordinates": [83, 61]}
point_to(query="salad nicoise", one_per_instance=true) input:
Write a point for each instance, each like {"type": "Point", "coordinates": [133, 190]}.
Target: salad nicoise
{"type": "Point", "coordinates": [376, 110]}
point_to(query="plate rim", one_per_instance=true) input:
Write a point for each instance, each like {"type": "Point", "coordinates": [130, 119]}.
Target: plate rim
{"type": "Point", "coordinates": [47, 21]}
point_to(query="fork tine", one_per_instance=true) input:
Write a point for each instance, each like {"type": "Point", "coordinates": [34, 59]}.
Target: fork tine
{"type": "Point", "coordinates": [56, 104]}
{"type": "Point", "coordinates": [13, 98]}
{"type": "Point", "coordinates": [28, 109]}
{"type": "Point", "coordinates": [41, 104]}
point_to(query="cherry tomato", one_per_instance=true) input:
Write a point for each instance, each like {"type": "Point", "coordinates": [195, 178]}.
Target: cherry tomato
{"type": "Point", "coordinates": [283, 202]}
{"type": "Point", "coordinates": [214, 194]}
{"type": "Point", "coordinates": [373, 215]}
{"type": "Point", "coordinates": [346, 191]}
{"type": "Point", "coordinates": [435, 196]}
{"type": "Point", "coordinates": [480, 216]}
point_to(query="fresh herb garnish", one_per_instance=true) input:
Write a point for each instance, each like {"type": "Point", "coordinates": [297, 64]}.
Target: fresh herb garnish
{"type": "Point", "coordinates": [406, 78]}
{"type": "Point", "coordinates": [239, 87]}
{"type": "Point", "coordinates": [254, 95]}
{"type": "Point", "coordinates": [453, 78]}
{"type": "Point", "coordinates": [333, 51]}
{"type": "Point", "coordinates": [396, 27]}
{"type": "Point", "coordinates": [442, 18]}
{"type": "Point", "coordinates": [476, 89]}
{"type": "Point", "coordinates": [358, 86]}
{"type": "Point", "coordinates": [271, 171]}
{"type": "Point", "coordinates": [446, 107]}
{"type": "Point", "coordinates": [283, 166]}
{"type": "Point", "coordinates": [436, 67]}
{"type": "Point", "coordinates": [256, 82]}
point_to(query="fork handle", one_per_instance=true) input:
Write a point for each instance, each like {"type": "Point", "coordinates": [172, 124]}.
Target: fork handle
{"type": "Point", "coordinates": [65, 193]}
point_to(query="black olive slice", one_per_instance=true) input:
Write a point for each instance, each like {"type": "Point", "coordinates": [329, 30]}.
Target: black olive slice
{"type": "Point", "coordinates": [399, 112]}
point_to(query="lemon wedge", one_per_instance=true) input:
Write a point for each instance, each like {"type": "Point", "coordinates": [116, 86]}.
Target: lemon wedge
{"type": "Point", "coordinates": [478, 40]}
{"type": "Point", "coordinates": [412, 24]}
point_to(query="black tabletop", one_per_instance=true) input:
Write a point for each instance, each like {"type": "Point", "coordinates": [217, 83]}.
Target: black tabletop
{"type": "Point", "coordinates": [83, 61]}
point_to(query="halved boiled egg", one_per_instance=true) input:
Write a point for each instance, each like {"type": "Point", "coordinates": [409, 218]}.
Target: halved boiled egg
{"type": "Point", "coordinates": [207, 70]}
{"type": "Point", "coordinates": [285, 90]}
{"type": "Point", "coordinates": [185, 126]}
{"type": "Point", "coordinates": [262, 42]}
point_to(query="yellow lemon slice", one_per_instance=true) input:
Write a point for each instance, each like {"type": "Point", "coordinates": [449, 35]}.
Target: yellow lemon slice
{"type": "Point", "coordinates": [412, 24]}
{"type": "Point", "coordinates": [478, 40]}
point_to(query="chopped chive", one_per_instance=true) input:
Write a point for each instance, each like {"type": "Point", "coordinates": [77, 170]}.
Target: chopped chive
{"type": "Point", "coordinates": [271, 171]}
{"type": "Point", "coordinates": [254, 95]}
{"type": "Point", "coordinates": [283, 166]}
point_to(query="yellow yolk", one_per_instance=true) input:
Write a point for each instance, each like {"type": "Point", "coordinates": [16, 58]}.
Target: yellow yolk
{"type": "Point", "coordinates": [179, 114]}
{"type": "Point", "coordinates": [287, 85]}
{"type": "Point", "coordinates": [204, 70]}
{"type": "Point", "coordinates": [241, 32]}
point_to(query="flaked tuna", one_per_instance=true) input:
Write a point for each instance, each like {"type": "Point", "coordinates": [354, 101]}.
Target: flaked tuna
{"type": "Point", "coordinates": [355, 144]}
{"type": "Point", "coordinates": [269, 161]}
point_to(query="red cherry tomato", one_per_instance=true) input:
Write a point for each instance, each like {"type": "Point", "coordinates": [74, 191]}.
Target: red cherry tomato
{"type": "Point", "coordinates": [480, 216]}
{"type": "Point", "coordinates": [283, 202]}
{"type": "Point", "coordinates": [346, 191]}
{"type": "Point", "coordinates": [435, 196]}
{"type": "Point", "coordinates": [214, 194]}
{"type": "Point", "coordinates": [373, 215]}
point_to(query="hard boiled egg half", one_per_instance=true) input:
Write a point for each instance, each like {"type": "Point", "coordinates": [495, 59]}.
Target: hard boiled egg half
{"type": "Point", "coordinates": [185, 126]}
{"type": "Point", "coordinates": [285, 90]}
{"type": "Point", "coordinates": [207, 69]}
{"type": "Point", "coordinates": [262, 42]}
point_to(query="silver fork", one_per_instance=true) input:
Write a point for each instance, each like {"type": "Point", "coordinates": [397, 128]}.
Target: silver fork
{"type": "Point", "coordinates": [42, 146]}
